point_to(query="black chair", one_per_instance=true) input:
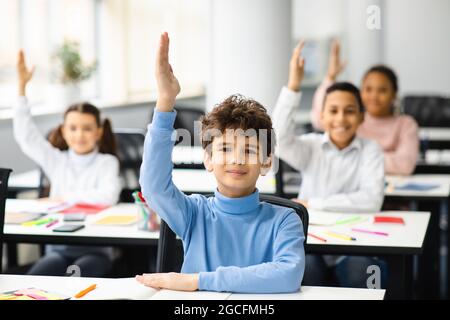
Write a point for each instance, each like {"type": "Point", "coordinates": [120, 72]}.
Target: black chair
{"type": "Point", "coordinates": [4, 176]}
{"type": "Point", "coordinates": [130, 148]}
{"type": "Point", "coordinates": [428, 111]}
{"type": "Point", "coordinates": [186, 118]}
{"type": "Point", "coordinates": [169, 256]}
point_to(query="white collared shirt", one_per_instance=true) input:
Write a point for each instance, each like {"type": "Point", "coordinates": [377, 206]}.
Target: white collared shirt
{"type": "Point", "coordinates": [348, 180]}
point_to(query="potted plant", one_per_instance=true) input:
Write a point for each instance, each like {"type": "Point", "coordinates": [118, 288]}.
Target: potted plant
{"type": "Point", "coordinates": [68, 71]}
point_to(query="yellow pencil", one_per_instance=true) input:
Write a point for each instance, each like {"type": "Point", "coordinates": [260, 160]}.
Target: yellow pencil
{"type": "Point", "coordinates": [340, 236]}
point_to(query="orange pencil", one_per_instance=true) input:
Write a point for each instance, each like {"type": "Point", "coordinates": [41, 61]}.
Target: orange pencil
{"type": "Point", "coordinates": [317, 237]}
{"type": "Point", "coordinates": [82, 293]}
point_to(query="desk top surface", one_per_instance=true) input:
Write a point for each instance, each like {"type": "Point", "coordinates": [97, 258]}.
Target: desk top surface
{"type": "Point", "coordinates": [129, 288]}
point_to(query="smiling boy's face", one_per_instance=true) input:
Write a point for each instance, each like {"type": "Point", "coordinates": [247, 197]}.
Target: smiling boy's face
{"type": "Point", "coordinates": [341, 117]}
{"type": "Point", "coordinates": [236, 163]}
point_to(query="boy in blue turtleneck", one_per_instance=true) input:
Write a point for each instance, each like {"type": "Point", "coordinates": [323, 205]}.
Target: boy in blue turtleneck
{"type": "Point", "coordinates": [232, 241]}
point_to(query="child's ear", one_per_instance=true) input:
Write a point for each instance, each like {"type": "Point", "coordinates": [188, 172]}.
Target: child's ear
{"type": "Point", "coordinates": [266, 165]}
{"type": "Point", "coordinates": [207, 159]}
{"type": "Point", "coordinates": [361, 118]}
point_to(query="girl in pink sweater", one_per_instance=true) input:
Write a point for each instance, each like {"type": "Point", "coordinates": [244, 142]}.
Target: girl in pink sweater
{"type": "Point", "coordinates": [396, 134]}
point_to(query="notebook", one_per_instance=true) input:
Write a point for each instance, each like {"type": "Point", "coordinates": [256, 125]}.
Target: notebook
{"type": "Point", "coordinates": [117, 220]}
{"type": "Point", "coordinates": [84, 208]}
{"type": "Point", "coordinates": [32, 294]}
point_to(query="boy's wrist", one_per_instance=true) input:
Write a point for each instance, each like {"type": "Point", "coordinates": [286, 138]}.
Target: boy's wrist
{"type": "Point", "coordinates": [331, 77]}
{"type": "Point", "coordinates": [22, 90]}
{"type": "Point", "coordinates": [194, 281]}
{"type": "Point", "coordinates": [294, 86]}
{"type": "Point", "coordinates": [165, 104]}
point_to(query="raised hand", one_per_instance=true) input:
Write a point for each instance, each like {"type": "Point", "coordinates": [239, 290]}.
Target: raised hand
{"type": "Point", "coordinates": [296, 68]}
{"type": "Point", "coordinates": [24, 74]}
{"type": "Point", "coordinates": [168, 86]}
{"type": "Point", "coordinates": [335, 65]}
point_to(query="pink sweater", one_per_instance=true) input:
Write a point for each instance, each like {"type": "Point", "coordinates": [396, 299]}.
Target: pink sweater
{"type": "Point", "coordinates": [397, 135]}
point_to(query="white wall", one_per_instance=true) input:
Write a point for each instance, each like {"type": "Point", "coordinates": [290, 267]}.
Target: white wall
{"type": "Point", "coordinates": [417, 44]}
{"type": "Point", "coordinates": [414, 38]}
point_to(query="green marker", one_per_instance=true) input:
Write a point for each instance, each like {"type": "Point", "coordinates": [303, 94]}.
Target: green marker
{"type": "Point", "coordinates": [43, 221]}
{"type": "Point", "coordinates": [349, 220]}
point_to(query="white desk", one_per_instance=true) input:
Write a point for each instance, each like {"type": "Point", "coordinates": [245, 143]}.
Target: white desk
{"type": "Point", "coordinates": [434, 134]}
{"type": "Point", "coordinates": [25, 180]}
{"type": "Point", "coordinates": [131, 289]}
{"type": "Point", "coordinates": [397, 249]}
{"type": "Point", "coordinates": [91, 234]}
{"type": "Point", "coordinates": [402, 239]}
{"type": "Point", "coordinates": [443, 191]}
{"type": "Point", "coordinates": [90, 231]}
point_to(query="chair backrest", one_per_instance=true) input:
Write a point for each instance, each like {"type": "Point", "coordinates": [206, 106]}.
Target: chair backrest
{"type": "Point", "coordinates": [167, 243]}
{"type": "Point", "coordinates": [4, 176]}
{"type": "Point", "coordinates": [428, 111]}
{"type": "Point", "coordinates": [130, 148]}
{"type": "Point", "coordinates": [186, 117]}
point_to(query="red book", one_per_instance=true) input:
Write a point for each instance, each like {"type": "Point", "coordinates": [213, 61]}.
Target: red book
{"type": "Point", "coordinates": [84, 208]}
{"type": "Point", "coordinates": [387, 219]}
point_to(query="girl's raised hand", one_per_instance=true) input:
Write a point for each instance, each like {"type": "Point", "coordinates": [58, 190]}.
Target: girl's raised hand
{"type": "Point", "coordinates": [24, 74]}
{"type": "Point", "coordinates": [335, 65]}
{"type": "Point", "coordinates": [168, 86]}
{"type": "Point", "coordinates": [296, 68]}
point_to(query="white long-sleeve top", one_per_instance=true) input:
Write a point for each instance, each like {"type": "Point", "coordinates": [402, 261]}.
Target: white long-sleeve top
{"type": "Point", "coordinates": [89, 178]}
{"type": "Point", "coordinates": [347, 180]}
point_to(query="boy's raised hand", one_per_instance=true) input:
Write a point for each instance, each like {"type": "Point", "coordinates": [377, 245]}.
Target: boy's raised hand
{"type": "Point", "coordinates": [24, 74]}
{"type": "Point", "coordinates": [168, 86]}
{"type": "Point", "coordinates": [335, 65]}
{"type": "Point", "coordinates": [296, 68]}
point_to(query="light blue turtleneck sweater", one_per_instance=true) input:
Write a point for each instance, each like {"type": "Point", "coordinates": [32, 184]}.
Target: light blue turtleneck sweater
{"type": "Point", "coordinates": [235, 244]}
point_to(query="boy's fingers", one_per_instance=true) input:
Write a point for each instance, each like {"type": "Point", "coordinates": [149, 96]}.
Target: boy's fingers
{"type": "Point", "coordinates": [163, 51]}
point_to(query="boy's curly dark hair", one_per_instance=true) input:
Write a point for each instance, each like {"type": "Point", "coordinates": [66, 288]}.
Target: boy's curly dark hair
{"type": "Point", "coordinates": [239, 112]}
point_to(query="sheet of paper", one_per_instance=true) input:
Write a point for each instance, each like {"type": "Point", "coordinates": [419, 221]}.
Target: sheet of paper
{"type": "Point", "coordinates": [118, 289]}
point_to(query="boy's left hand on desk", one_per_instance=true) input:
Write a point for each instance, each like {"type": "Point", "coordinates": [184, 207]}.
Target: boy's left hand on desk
{"type": "Point", "coordinates": [171, 281]}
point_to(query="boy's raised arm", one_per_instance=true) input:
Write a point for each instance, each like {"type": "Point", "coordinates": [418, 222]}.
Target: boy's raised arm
{"type": "Point", "coordinates": [155, 179]}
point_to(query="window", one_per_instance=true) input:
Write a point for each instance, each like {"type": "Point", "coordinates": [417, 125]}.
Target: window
{"type": "Point", "coordinates": [121, 35]}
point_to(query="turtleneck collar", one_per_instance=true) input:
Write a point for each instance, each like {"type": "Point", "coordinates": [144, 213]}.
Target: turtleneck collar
{"type": "Point", "coordinates": [240, 205]}
{"type": "Point", "coordinates": [82, 159]}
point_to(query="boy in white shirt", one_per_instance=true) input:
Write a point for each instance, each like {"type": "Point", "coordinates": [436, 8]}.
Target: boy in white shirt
{"type": "Point", "coordinates": [340, 171]}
